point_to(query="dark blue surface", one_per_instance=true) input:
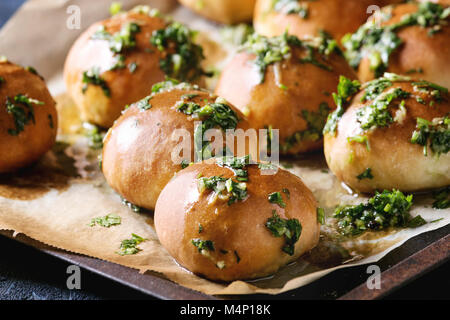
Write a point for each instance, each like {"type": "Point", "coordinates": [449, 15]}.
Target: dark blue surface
{"type": "Point", "coordinates": [7, 8]}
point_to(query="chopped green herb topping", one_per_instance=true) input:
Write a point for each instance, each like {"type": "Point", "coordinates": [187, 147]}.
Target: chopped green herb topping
{"type": "Point", "coordinates": [291, 7]}
{"type": "Point", "coordinates": [237, 34]}
{"type": "Point", "coordinates": [384, 210]}
{"type": "Point", "coordinates": [121, 41]}
{"type": "Point", "coordinates": [203, 245]}
{"type": "Point", "coordinates": [92, 77]}
{"type": "Point", "coordinates": [376, 115]}
{"type": "Point", "coordinates": [315, 121]}
{"type": "Point", "coordinates": [321, 215]}
{"type": "Point", "coordinates": [213, 115]}
{"type": "Point", "coordinates": [106, 221]}
{"type": "Point", "coordinates": [115, 8]}
{"type": "Point", "coordinates": [94, 135]}
{"type": "Point", "coordinates": [184, 63]}
{"type": "Point", "coordinates": [291, 229]}
{"type": "Point", "coordinates": [170, 84]}
{"type": "Point", "coordinates": [144, 104]}
{"type": "Point", "coordinates": [237, 164]}
{"type": "Point", "coordinates": [360, 139]}
{"type": "Point", "coordinates": [442, 198]}
{"type": "Point", "coordinates": [367, 174]}
{"type": "Point", "coordinates": [129, 246]}
{"type": "Point", "coordinates": [431, 89]}
{"type": "Point", "coordinates": [238, 259]}
{"type": "Point", "coordinates": [276, 198]}
{"type": "Point", "coordinates": [271, 50]}
{"type": "Point", "coordinates": [21, 109]}
{"type": "Point", "coordinates": [200, 228]}
{"type": "Point", "coordinates": [345, 91]}
{"type": "Point", "coordinates": [378, 43]}
{"type": "Point", "coordinates": [225, 189]}
{"type": "Point", "coordinates": [435, 134]}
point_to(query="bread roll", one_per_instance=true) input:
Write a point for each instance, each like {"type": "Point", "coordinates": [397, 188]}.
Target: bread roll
{"type": "Point", "coordinates": [292, 92]}
{"type": "Point", "coordinates": [142, 151]}
{"type": "Point", "coordinates": [308, 18]}
{"type": "Point", "coordinates": [224, 11]}
{"type": "Point", "coordinates": [395, 134]}
{"type": "Point", "coordinates": [239, 234]}
{"type": "Point", "coordinates": [413, 40]}
{"type": "Point", "coordinates": [28, 119]}
{"type": "Point", "coordinates": [117, 61]}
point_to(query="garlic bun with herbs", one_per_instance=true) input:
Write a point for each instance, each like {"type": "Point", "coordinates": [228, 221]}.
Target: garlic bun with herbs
{"type": "Point", "coordinates": [305, 18]}
{"type": "Point", "coordinates": [227, 221]}
{"type": "Point", "coordinates": [143, 150]}
{"type": "Point", "coordinates": [28, 118]}
{"type": "Point", "coordinates": [116, 62]}
{"type": "Point", "coordinates": [224, 11]}
{"type": "Point", "coordinates": [285, 83]}
{"type": "Point", "coordinates": [410, 39]}
{"type": "Point", "coordinates": [390, 133]}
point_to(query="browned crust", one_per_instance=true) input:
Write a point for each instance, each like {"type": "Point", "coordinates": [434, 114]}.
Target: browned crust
{"type": "Point", "coordinates": [396, 163]}
{"type": "Point", "coordinates": [36, 138]}
{"type": "Point", "coordinates": [238, 227]}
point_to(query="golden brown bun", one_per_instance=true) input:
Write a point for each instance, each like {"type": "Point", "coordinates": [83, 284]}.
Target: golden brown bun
{"type": "Point", "coordinates": [17, 151]}
{"type": "Point", "coordinates": [395, 162]}
{"type": "Point", "coordinates": [137, 152]}
{"type": "Point", "coordinates": [125, 87]}
{"type": "Point", "coordinates": [336, 17]}
{"type": "Point", "coordinates": [418, 51]}
{"type": "Point", "coordinates": [266, 104]}
{"type": "Point", "coordinates": [239, 227]}
{"type": "Point", "coordinates": [224, 11]}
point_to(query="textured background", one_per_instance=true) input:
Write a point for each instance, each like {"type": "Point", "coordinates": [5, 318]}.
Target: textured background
{"type": "Point", "coordinates": [27, 274]}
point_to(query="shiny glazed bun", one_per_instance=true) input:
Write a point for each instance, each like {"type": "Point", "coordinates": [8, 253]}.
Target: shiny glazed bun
{"type": "Point", "coordinates": [118, 60]}
{"type": "Point", "coordinates": [28, 119]}
{"type": "Point", "coordinates": [143, 150]}
{"type": "Point", "coordinates": [290, 91]}
{"type": "Point", "coordinates": [395, 134]}
{"type": "Point", "coordinates": [308, 18]}
{"type": "Point", "coordinates": [225, 228]}
{"type": "Point", "coordinates": [413, 39]}
{"type": "Point", "coordinates": [224, 11]}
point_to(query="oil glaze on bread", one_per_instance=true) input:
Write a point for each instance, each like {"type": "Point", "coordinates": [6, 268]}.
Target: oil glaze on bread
{"type": "Point", "coordinates": [238, 234]}
{"type": "Point", "coordinates": [308, 18]}
{"type": "Point", "coordinates": [395, 134]}
{"type": "Point", "coordinates": [28, 119]}
{"type": "Point", "coordinates": [291, 92]}
{"type": "Point", "coordinates": [140, 150]}
{"type": "Point", "coordinates": [117, 61]}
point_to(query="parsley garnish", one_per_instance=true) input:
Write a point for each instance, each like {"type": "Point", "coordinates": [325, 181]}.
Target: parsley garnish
{"type": "Point", "coordinates": [106, 221]}
{"type": "Point", "coordinates": [321, 215]}
{"type": "Point", "coordinates": [120, 41]}
{"type": "Point", "coordinates": [291, 7]}
{"type": "Point", "coordinates": [94, 135]}
{"type": "Point", "coordinates": [378, 43]}
{"type": "Point", "coordinates": [345, 91]}
{"type": "Point", "coordinates": [203, 245]}
{"type": "Point", "coordinates": [182, 57]}
{"type": "Point", "coordinates": [226, 189]}
{"type": "Point", "coordinates": [315, 121]}
{"type": "Point", "coordinates": [367, 174]}
{"type": "Point", "coordinates": [276, 198]}
{"type": "Point", "coordinates": [384, 210]}
{"type": "Point", "coordinates": [435, 134]}
{"type": "Point", "coordinates": [21, 108]}
{"type": "Point", "coordinates": [93, 77]}
{"type": "Point", "coordinates": [442, 198]}
{"type": "Point", "coordinates": [144, 103]}
{"type": "Point", "coordinates": [291, 230]}
{"type": "Point", "coordinates": [129, 246]}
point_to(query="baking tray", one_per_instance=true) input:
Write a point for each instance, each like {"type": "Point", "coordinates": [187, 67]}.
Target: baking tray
{"type": "Point", "coordinates": [401, 266]}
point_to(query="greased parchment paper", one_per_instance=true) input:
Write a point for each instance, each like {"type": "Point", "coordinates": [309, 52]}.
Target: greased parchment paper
{"type": "Point", "coordinates": [55, 200]}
